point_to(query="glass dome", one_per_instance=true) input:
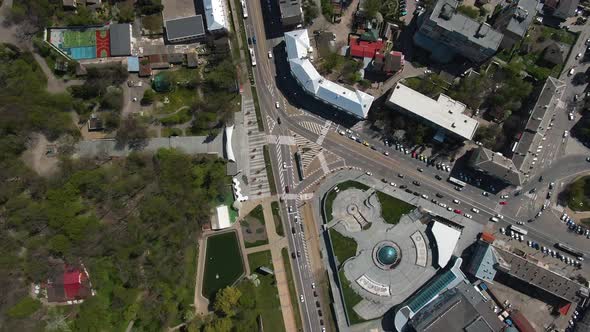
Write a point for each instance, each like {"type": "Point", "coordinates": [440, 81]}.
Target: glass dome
{"type": "Point", "coordinates": [387, 255]}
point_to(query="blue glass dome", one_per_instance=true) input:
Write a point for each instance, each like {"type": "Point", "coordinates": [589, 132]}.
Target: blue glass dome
{"type": "Point", "coordinates": [387, 255]}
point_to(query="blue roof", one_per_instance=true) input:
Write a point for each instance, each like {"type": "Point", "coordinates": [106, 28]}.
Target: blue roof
{"type": "Point", "coordinates": [133, 64]}
{"type": "Point", "coordinates": [431, 290]}
{"type": "Point", "coordinates": [482, 265]}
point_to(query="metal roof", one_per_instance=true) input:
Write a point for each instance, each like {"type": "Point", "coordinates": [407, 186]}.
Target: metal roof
{"type": "Point", "coordinates": [522, 14]}
{"type": "Point", "coordinates": [215, 15]}
{"type": "Point", "coordinates": [120, 39]}
{"type": "Point", "coordinates": [443, 112]}
{"type": "Point", "coordinates": [354, 102]}
{"type": "Point", "coordinates": [184, 27]}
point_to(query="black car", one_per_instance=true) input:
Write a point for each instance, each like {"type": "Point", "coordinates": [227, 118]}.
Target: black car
{"type": "Point", "coordinates": [548, 195]}
{"type": "Point", "coordinates": [438, 177]}
{"type": "Point", "coordinates": [373, 147]}
{"type": "Point", "coordinates": [439, 195]}
{"type": "Point", "coordinates": [293, 255]}
{"type": "Point", "coordinates": [293, 230]}
{"type": "Point", "coordinates": [298, 254]}
{"type": "Point", "coordinates": [320, 313]}
{"type": "Point", "coordinates": [416, 183]}
{"type": "Point", "coordinates": [317, 304]}
{"type": "Point", "coordinates": [249, 41]}
{"type": "Point", "coordinates": [279, 120]}
{"type": "Point", "coordinates": [403, 186]}
{"type": "Point", "coordinates": [416, 193]}
{"type": "Point", "coordinates": [409, 191]}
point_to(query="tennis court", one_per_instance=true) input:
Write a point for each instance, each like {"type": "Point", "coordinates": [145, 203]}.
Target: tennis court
{"type": "Point", "coordinates": [87, 43]}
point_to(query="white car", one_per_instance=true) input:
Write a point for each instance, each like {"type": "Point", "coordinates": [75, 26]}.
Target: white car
{"type": "Point", "coordinates": [269, 54]}
{"type": "Point", "coordinates": [570, 116]}
{"type": "Point", "coordinates": [301, 298]}
{"type": "Point", "coordinates": [571, 72]}
{"type": "Point", "coordinates": [449, 209]}
{"type": "Point", "coordinates": [502, 230]}
{"type": "Point", "coordinates": [313, 285]}
{"type": "Point", "coordinates": [392, 184]}
{"type": "Point", "coordinates": [565, 133]}
{"type": "Point", "coordinates": [277, 105]}
{"type": "Point", "coordinates": [467, 215]}
{"type": "Point", "coordinates": [442, 205]}
{"type": "Point", "coordinates": [474, 210]}
{"type": "Point", "coordinates": [499, 216]}
{"type": "Point", "coordinates": [563, 216]}
{"type": "Point", "coordinates": [578, 56]}
{"type": "Point", "coordinates": [424, 196]}
{"type": "Point", "coordinates": [284, 164]}
{"type": "Point", "coordinates": [341, 132]}
{"type": "Point", "coordinates": [369, 173]}
{"type": "Point", "coordinates": [456, 201]}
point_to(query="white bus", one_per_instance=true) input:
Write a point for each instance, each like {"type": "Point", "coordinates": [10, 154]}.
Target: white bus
{"type": "Point", "coordinates": [244, 9]}
{"type": "Point", "coordinates": [457, 181]}
{"type": "Point", "coordinates": [519, 230]}
{"type": "Point", "coordinates": [252, 56]}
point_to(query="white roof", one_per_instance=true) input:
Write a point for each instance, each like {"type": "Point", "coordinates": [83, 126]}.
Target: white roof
{"type": "Point", "coordinates": [355, 102]}
{"type": "Point", "coordinates": [228, 140]}
{"type": "Point", "coordinates": [222, 218]}
{"type": "Point", "coordinates": [215, 15]}
{"type": "Point", "coordinates": [446, 239]}
{"type": "Point", "coordinates": [444, 112]}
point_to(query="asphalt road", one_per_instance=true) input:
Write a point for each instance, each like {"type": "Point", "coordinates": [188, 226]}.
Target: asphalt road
{"type": "Point", "coordinates": [555, 165]}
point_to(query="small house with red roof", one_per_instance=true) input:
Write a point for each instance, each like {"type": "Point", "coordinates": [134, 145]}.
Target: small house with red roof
{"type": "Point", "coordinates": [362, 48]}
{"type": "Point", "coordinates": [69, 284]}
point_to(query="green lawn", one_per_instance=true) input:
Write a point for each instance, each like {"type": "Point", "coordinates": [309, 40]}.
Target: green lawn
{"type": "Point", "coordinates": [180, 117]}
{"type": "Point", "coordinates": [276, 213]}
{"type": "Point", "coordinates": [177, 98]}
{"type": "Point", "coordinates": [350, 299]}
{"type": "Point", "coordinates": [228, 199]}
{"type": "Point", "coordinates": [257, 213]}
{"type": "Point", "coordinates": [344, 247]}
{"type": "Point", "coordinates": [578, 194]}
{"type": "Point", "coordinates": [559, 35]}
{"type": "Point", "coordinates": [392, 208]}
{"type": "Point", "coordinates": [292, 290]}
{"type": "Point", "coordinates": [266, 294]}
{"type": "Point", "coordinates": [329, 198]}
{"type": "Point", "coordinates": [223, 259]}
{"type": "Point", "coordinates": [168, 132]}
{"type": "Point", "coordinates": [271, 179]}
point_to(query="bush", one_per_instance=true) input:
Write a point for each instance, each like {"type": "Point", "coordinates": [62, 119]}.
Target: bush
{"type": "Point", "coordinates": [24, 308]}
{"type": "Point", "coordinates": [148, 97]}
{"type": "Point", "coordinates": [468, 11]}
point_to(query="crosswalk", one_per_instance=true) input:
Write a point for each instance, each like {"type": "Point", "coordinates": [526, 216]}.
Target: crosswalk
{"type": "Point", "coordinates": [314, 127]}
{"type": "Point", "coordinates": [307, 150]}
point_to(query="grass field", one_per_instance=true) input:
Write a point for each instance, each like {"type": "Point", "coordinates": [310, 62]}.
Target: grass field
{"type": "Point", "coordinates": [74, 38]}
{"type": "Point", "coordinates": [276, 213]}
{"type": "Point", "coordinates": [266, 294]}
{"type": "Point", "coordinates": [578, 194]}
{"type": "Point", "coordinates": [344, 247]}
{"type": "Point", "coordinates": [223, 259]}
{"type": "Point", "coordinates": [350, 299]}
{"type": "Point", "coordinates": [392, 208]}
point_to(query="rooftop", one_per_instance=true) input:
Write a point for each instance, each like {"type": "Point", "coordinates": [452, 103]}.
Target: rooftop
{"type": "Point", "coordinates": [184, 28]}
{"type": "Point", "coordinates": [462, 308]}
{"type": "Point", "coordinates": [215, 15]}
{"type": "Point", "coordinates": [221, 220]}
{"type": "Point", "coordinates": [446, 16]}
{"type": "Point", "coordinates": [446, 239]}
{"type": "Point", "coordinates": [290, 9]}
{"type": "Point", "coordinates": [120, 39]}
{"type": "Point", "coordinates": [355, 102]}
{"type": "Point", "coordinates": [523, 12]}
{"type": "Point", "coordinates": [483, 261]}
{"type": "Point", "coordinates": [444, 112]}
{"type": "Point", "coordinates": [496, 164]}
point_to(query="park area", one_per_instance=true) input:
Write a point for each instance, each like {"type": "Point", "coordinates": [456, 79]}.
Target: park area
{"type": "Point", "coordinates": [578, 194]}
{"type": "Point", "coordinates": [223, 265]}
{"type": "Point", "coordinates": [253, 230]}
{"type": "Point", "coordinates": [392, 209]}
{"type": "Point", "coordinates": [331, 195]}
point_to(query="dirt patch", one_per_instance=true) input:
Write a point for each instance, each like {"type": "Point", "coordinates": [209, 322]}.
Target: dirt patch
{"type": "Point", "coordinates": [41, 156]}
{"type": "Point", "coordinates": [253, 231]}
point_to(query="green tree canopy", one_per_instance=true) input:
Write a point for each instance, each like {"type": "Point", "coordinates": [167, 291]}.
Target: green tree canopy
{"type": "Point", "coordinates": [226, 300]}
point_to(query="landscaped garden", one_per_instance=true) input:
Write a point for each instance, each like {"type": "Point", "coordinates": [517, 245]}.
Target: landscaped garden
{"type": "Point", "coordinates": [276, 213]}
{"type": "Point", "coordinates": [330, 196]}
{"type": "Point", "coordinates": [578, 194]}
{"type": "Point", "coordinates": [344, 247]}
{"type": "Point", "coordinates": [265, 295]}
{"type": "Point", "coordinates": [253, 228]}
{"type": "Point", "coordinates": [292, 289]}
{"type": "Point", "coordinates": [350, 299]}
{"type": "Point", "coordinates": [392, 209]}
{"type": "Point", "coordinates": [223, 264]}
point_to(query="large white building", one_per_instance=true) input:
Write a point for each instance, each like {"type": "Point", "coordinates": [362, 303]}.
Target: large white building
{"type": "Point", "coordinates": [215, 16]}
{"type": "Point", "coordinates": [444, 112]}
{"type": "Point", "coordinates": [354, 102]}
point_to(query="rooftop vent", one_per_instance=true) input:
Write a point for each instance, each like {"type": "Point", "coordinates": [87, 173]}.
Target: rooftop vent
{"type": "Point", "coordinates": [447, 11]}
{"type": "Point", "coordinates": [483, 30]}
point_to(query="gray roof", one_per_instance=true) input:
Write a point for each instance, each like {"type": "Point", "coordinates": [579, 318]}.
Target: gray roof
{"type": "Point", "coordinates": [533, 274]}
{"type": "Point", "coordinates": [291, 13]}
{"type": "Point", "coordinates": [120, 39]}
{"type": "Point", "coordinates": [523, 12]}
{"type": "Point", "coordinates": [446, 16]}
{"type": "Point", "coordinates": [566, 8]}
{"type": "Point", "coordinates": [459, 309]}
{"type": "Point", "coordinates": [495, 164]}
{"type": "Point", "coordinates": [184, 27]}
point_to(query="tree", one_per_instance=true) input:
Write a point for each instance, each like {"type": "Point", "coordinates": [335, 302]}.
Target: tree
{"type": "Point", "coordinates": [226, 299]}
{"type": "Point", "coordinates": [148, 97]}
{"type": "Point", "coordinates": [372, 7]}
{"type": "Point", "coordinates": [126, 13]}
{"type": "Point", "coordinates": [219, 325]}
{"type": "Point", "coordinates": [131, 132]}
{"type": "Point", "coordinates": [310, 11]}
{"type": "Point", "coordinates": [59, 244]}
{"type": "Point", "coordinates": [24, 308]}
{"type": "Point", "coordinates": [468, 11]}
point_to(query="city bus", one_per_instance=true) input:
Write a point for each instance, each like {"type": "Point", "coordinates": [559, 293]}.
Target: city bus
{"type": "Point", "coordinates": [457, 181]}
{"type": "Point", "coordinates": [253, 56]}
{"type": "Point", "coordinates": [569, 249]}
{"type": "Point", "coordinates": [244, 9]}
{"type": "Point", "coordinates": [519, 230]}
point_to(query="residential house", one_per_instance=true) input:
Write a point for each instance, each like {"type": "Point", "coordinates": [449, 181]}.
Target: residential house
{"type": "Point", "coordinates": [566, 8]}
{"type": "Point", "coordinates": [70, 4]}
{"type": "Point", "coordinates": [95, 123]}
{"type": "Point", "coordinates": [184, 29]}
{"type": "Point", "coordinates": [447, 33]}
{"type": "Point", "coordinates": [68, 284]}
{"type": "Point", "coordinates": [514, 21]}
{"type": "Point", "coordinates": [291, 13]}
{"type": "Point", "coordinates": [215, 16]}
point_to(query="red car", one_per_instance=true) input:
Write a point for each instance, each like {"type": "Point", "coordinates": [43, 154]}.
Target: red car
{"type": "Point", "coordinates": [414, 154]}
{"type": "Point", "coordinates": [457, 211]}
{"type": "Point", "coordinates": [503, 203]}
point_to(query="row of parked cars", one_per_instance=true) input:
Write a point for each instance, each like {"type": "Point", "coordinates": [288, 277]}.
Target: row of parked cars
{"type": "Point", "coordinates": [575, 227]}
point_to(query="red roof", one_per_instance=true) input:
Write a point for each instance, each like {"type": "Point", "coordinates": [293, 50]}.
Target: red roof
{"type": "Point", "coordinates": [487, 237]}
{"type": "Point", "coordinates": [364, 49]}
{"type": "Point", "coordinates": [72, 282]}
{"type": "Point", "coordinates": [521, 322]}
{"type": "Point", "coordinates": [564, 309]}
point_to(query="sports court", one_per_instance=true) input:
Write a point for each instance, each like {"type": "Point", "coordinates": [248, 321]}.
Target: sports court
{"type": "Point", "coordinates": [87, 43]}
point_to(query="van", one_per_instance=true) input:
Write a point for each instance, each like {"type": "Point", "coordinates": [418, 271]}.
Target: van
{"type": "Point", "coordinates": [494, 219]}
